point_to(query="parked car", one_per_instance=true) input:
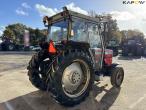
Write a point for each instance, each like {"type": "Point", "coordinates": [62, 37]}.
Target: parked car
{"type": "Point", "coordinates": [36, 48]}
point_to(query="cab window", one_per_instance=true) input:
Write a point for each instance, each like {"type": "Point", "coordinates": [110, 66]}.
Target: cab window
{"type": "Point", "coordinates": [79, 31]}
{"type": "Point", "coordinates": [94, 37]}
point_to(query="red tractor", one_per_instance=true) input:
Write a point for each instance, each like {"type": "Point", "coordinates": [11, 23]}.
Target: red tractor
{"type": "Point", "coordinates": [73, 54]}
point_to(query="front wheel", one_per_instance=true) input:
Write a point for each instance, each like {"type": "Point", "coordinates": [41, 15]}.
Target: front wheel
{"type": "Point", "coordinates": [117, 76]}
{"type": "Point", "coordinates": [73, 79]}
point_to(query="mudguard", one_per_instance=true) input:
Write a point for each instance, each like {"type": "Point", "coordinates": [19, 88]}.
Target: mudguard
{"type": "Point", "coordinates": [106, 70]}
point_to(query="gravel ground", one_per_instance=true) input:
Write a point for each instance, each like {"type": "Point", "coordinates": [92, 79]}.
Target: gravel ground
{"type": "Point", "coordinates": [17, 93]}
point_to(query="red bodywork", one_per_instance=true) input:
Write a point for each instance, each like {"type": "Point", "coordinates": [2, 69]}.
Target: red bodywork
{"type": "Point", "coordinates": [107, 55]}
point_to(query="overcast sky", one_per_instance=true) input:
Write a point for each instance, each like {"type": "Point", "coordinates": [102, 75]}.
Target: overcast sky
{"type": "Point", "coordinates": [30, 12]}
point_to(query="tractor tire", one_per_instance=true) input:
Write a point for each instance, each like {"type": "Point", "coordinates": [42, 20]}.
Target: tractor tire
{"type": "Point", "coordinates": [138, 51]}
{"type": "Point", "coordinates": [36, 76]}
{"type": "Point", "coordinates": [0, 47]}
{"type": "Point", "coordinates": [144, 53]}
{"type": "Point", "coordinates": [11, 47]}
{"type": "Point", "coordinates": [117, 76]}
{"type": "Point", "coordinates": [73, 79]}
{"type": "Point", "coordinates": [125, 51]}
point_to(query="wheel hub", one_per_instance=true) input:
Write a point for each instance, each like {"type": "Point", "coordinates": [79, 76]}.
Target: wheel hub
{"type": "Point", "coordinates": [10, 47]}
{"type": "Point", "coordinates": [75, 77]}
{"type": "Point", "coordinates": [72, 77]}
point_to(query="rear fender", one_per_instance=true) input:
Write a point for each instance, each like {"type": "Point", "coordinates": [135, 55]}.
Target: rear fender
{"type": "Point", "coordinates": [107, 69]}
{"type": "Point", "coordinates": [114, 65]}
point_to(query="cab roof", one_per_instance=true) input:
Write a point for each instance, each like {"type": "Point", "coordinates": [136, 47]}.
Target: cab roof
{"type": "Point", "coordinates": [69, 13]}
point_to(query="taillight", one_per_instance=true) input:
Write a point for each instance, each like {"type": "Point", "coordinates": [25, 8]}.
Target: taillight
{"type": "Point", "coordinates": [52, 48]}
{"type": "Point", "coordinates": [108, 57]}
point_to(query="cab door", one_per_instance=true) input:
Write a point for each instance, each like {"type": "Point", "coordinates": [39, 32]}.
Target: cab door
{"type": "Point", "coordinates": [95, 45]}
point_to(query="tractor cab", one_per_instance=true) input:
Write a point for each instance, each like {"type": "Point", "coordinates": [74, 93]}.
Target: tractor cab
{"type": "Point", "coordinates": [72, 26]}
{"type": "Point", "coordinates": [80, 32]}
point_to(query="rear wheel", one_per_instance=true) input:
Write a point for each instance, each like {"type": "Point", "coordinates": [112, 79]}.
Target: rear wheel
{"type": "Point", "coordinates": [139, 50]}
{"type": "Point", "coordinates": [125, 51]}
{"type": "Point", "coordinates": [145, 51]}
{"type": "Point", "coordinates": [37, 70]}
{"type": "Point", "coordinates": [117, 76]}
{"type": "Point", "coordinates": [73, 79]}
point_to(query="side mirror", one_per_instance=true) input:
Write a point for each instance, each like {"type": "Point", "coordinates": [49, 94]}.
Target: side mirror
{"type": "Point", "coordinates": [65, 8]}
{"type": "Point", "coordinates": [46, 20]}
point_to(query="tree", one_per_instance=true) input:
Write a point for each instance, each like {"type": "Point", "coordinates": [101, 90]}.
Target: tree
{"type": "Point", "coordinates": [127, 34]}
{"type": "Point", "coordinates": [9, 34]}
{"type": "Point", "coordinates": [18, 30]}
{"type": "Point", "coordinates": [112, 29]}
{"type": "Point", "coordinates": [16, 33]}
{"type": "Point", "coordinates": [36, 36]}
{"type": "Point", "coordinates": [117, 35]}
